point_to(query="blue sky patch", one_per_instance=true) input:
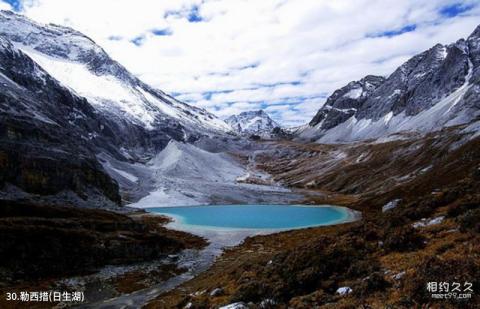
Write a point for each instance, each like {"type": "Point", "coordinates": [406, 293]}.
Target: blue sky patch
{"type": "Point", "coordinates": [194, 15]}
{"type": "Point", "coordinates": [455, 9]}
{"type": "Point", "coordinates": [139, 40]}
{"type": "Point", "coordinates": [392, 33]}
{"type": "Point", "coordinates": [16, 4]}
{"type": "Point", "coordinates": [292, 83]}
{"type": "Point", "coordinates": [208, 95]}
{"type": "Point", "coordinates": [247, 66]}
{"type": "Point", "coordinates": [162, 32]}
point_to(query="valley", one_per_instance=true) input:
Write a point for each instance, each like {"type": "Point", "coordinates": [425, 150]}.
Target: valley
{"type": "Point", "coordinates": [87, 150]}
{"type": "Point", "coordinates": [383, 257]}
{"type": "Point", "coordinates": [389, 247]}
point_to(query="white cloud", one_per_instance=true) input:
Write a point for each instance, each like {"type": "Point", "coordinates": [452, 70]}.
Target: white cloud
{"type": "Point", "coordinates": [5, 6]}
{"type": "Point", "coordinates": [283, 55]}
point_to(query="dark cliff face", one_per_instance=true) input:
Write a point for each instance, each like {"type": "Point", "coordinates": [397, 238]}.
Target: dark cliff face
{"type": "Point", "coordinates": [44, 241]}
{"type": "Point", "coordinates": [343, 103]}
{"type": "Point", "coordinates": [46, 133]}
{"type": "Point", "coordinates": [419, 83]}
{"type": "Point", "coordinates": [472, 96]}
{"type": "Point", "coordinates": [416, 86]}
{"type": "Point", "coordinates": [473, 43]}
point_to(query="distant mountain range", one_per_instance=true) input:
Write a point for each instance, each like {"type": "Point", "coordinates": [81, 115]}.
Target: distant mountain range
{"type": "Point", "coordinates": [78, 126]}
{"type": "Point", "coordinates": [437, 88]}
{"type": "Point", "coordinates": [252, 122]}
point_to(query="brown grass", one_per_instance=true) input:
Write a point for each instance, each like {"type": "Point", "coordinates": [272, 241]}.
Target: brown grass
{"type": "Point", "coordinates": [379, 247]}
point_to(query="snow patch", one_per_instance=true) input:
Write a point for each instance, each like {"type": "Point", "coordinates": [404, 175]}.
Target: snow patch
{"type": "Point", "coordinates": [391, 205]}
{"type": "Point", "coordinates": [344, 290]}
{"type": "Point", "coordinates": [428, 222]}
{"type": "Point", "coordinates": [101, 90]}
{"type": "Point", "coordinates": [399, 276]}
{"type": "Point", "coordinates": [388, 117]}
{"type": "Point", "coordinates": [239, 305]}
{"type": "Point", "coordinates": [354, 93]}
{"type": "Point", "coordinates": [123, 97]}
{"type": "Point", "coordinates": [125, 175]}
{"type": "Point", "coordinates": [216, 292]}
{"type": "Point", "coordinates": [395, 93]}
{"type": "Point", "coordinates": [166, 197]}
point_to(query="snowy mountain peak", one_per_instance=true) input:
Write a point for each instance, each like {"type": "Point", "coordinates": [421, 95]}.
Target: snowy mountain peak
{"type": "Point", "coordinates": [85, 68]}
{"type": "Point", "coordinates": [49, 39]}
{"type": "Point", "coordinates": [252, 122]}
{"type": "Point", "coordinates": [436, 88]}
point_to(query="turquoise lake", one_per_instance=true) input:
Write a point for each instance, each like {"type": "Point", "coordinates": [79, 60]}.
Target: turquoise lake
{"type": "Point", "coordinates": [262, 217]}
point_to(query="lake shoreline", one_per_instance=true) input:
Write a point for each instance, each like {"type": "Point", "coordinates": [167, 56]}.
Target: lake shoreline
{"type": "Point", "coordinates": [219, 241]}
{"type": "Point", "coordinates": [179, 221]}
{"type": "Point", "coordinates": [114, 270]}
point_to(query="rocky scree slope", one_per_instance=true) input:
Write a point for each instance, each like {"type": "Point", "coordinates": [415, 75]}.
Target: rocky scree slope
{"type": "Point", "coordinates": [437, 88]}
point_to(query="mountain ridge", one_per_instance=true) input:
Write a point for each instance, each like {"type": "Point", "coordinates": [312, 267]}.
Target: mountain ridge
{"type": "Point", "coordinates": [56, 46]}
{"type": "Point", "coordinates": [250, 122]}
{"type": "Point", "coordinates": [66, 107]}
{"type": "Point", "coordinates": [436, 88]}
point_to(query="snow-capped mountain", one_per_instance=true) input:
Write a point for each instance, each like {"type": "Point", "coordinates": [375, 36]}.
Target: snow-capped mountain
{"type": "Point", "coordinates": [252, 122]}
{"type": "Point", "coordinates": [67, 108]}
{"type": "Point", "coordinates": [437, 88]}
{"type": "Point", "coordinates": [84, 67]}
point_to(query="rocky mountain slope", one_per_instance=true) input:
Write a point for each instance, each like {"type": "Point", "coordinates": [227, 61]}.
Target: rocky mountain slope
{"type": "Point", "coordinates": [252, 122]}
{"type": "Point", "coordinates": [84, 67]}
{"type": "Point", "coordinates": [437, 88]}
{"type": "Point", "coordinates": [64, 101]}
{"type": "Point", "coordinates": [47, 134]}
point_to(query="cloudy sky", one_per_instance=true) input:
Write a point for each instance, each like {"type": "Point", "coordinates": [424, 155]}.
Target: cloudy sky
{"type": "Point", "coordinates": [285, 56]}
